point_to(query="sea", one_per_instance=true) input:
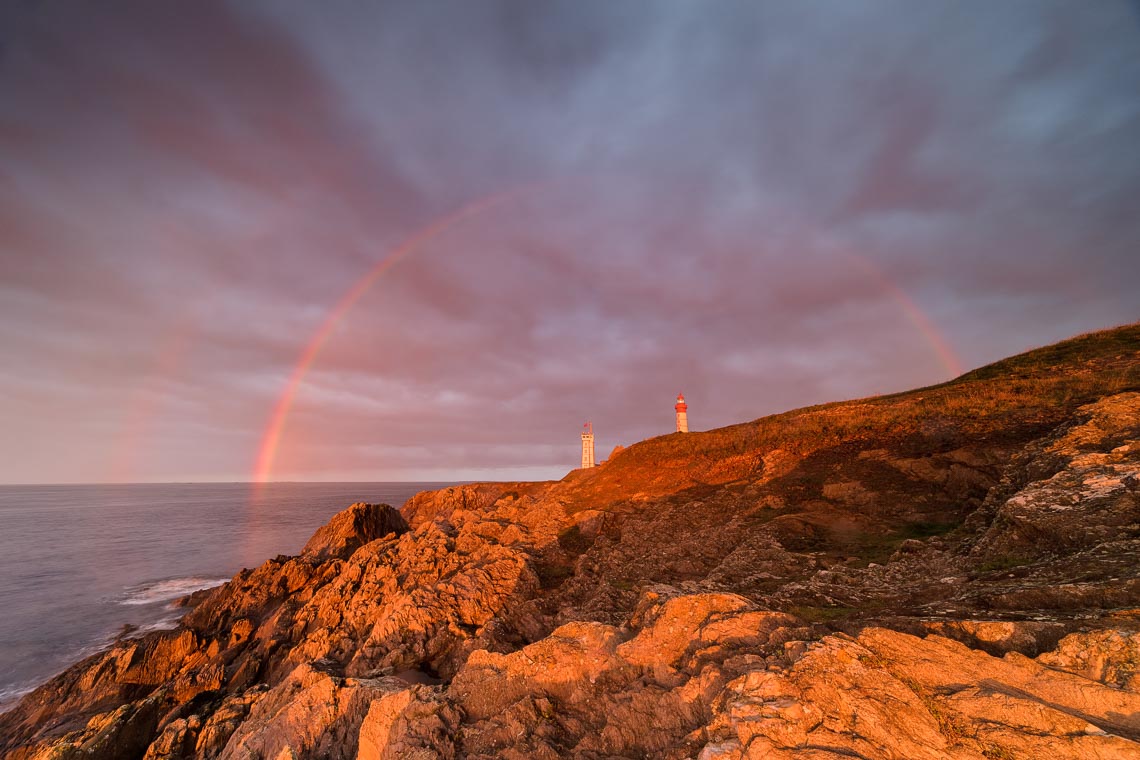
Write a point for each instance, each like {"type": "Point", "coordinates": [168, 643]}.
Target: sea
{"type": "Point", "coordinates": [83, 564]}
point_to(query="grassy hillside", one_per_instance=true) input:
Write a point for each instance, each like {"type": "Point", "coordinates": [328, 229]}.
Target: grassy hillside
{"type": "Point", "coordinates": [1001, 404]}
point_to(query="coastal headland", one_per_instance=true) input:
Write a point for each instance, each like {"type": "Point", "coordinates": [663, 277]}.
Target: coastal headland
{"type": "Point", "coordinates": [949, 572]}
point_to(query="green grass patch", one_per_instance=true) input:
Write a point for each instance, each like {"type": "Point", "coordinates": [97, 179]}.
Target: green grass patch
{"type": "Point", "coordinates": [880, 547]}
{"type": "Point", "coordinates": [922, 530]}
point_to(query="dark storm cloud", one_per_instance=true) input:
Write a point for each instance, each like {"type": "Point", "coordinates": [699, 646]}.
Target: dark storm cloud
{"type": "Point", "coordinates": [762, 204]}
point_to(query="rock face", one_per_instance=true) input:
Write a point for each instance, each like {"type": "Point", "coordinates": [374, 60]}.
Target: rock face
{"type": "Point", "coordinates": [320, 631]}
{"type": "Point", "coordinates": [888, 694]}
{"type": "Point", "coordinates": [352, 528]}
{"type": "Point", "coordinates": [944, 574]}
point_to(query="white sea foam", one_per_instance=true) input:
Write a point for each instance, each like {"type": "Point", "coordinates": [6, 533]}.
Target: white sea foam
{"type": "Point", "coordinates": [182, 536]}
{"type": "Point", "coordinates": [94, 647]}
{"type": "Point", "coordinates": [162, 624]}
{"type": "Point", "coordinates": [168, 590]}
{"type": "Point", "coordinates": [167, 622]}
{"type": "Point", "coordinates": [10, 694]}
{"type": "Point", "coordinates": [155, 592]}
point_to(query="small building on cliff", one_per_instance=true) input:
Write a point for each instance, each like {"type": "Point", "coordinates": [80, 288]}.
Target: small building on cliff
{"type": "Point", "coordinates": [682, 410]}
{"type": "Point", "coordinates": [587, 445]}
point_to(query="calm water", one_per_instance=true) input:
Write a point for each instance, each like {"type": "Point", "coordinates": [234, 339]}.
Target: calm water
{"type": "Point", "coordinates": [77, 563]}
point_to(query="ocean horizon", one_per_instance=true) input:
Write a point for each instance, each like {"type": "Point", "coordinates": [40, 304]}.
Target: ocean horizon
{"type": "Point", "coordinates": [82, 564]}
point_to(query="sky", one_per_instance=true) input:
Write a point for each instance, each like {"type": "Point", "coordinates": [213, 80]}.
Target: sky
{"type": "Point", "coordinates": [427, 241]}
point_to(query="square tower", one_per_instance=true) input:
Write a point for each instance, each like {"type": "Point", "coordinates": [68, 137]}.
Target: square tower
{"type": "Point", "coordinates": [587, 445]}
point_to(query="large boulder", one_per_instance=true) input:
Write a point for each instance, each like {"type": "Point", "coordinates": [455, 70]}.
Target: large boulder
{"type": "Point", "coordinates": [349, 530]}
{"type": "Point", "coordinates": [1093, 494]}
{"type": "Point", "coordinates": [891, 695]}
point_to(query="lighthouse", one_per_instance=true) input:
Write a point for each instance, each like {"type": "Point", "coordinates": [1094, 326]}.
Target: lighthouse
{"type": "Point", "coordinates": [682, 414]}
{"type": "Point", "coordinates": [587, 445]}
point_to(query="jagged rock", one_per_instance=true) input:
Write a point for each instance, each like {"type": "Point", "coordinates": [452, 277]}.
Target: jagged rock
{"type": "Point", "coordinates": [999, 637]}
{"type": "Point", "coordinates": [831, 703]}
{"type": "Point", "coordinates": [120, 734]}
{"type": "Point", "coordinates": [669, 625]}
{"type": "Point", "coordinates": [687, 600]}
{"type": "Point", "coordinates": [888, 694]}
{"type": "Point", "coordinates": [1088, 500]}
{"type": "Point", "coordinates": [412, 722]}
{"type": "Point", "coordinates": [420, 600]}
{"type": "Point", "coordinates": [224, 721]}
{"type": "Point", "coordinates": [353, 528]}
{"type": "Point", "coordinates": [310, 714]}
{"type": "Point", "coordinates": [599, 689]}
{"type": "Point", "coordinates": [176, 740]}
{"type": "Point", "coordinates": [1111, 657]}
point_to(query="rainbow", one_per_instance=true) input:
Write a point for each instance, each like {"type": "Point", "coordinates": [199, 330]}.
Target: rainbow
{"type": "Point", "coordinates": [271, 438]}
{"type": "Point", "coordinates": [915, 315]}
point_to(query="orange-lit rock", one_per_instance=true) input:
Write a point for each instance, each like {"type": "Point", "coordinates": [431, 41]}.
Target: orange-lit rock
{"type": "Point", "coordinates": [771, 589]}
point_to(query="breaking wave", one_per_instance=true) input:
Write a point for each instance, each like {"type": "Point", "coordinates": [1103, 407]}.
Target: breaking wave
{"type": "Point", "coordinates": [168, 590]}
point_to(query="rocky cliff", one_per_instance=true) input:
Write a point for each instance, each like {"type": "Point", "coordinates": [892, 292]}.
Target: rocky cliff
{"type": "Point", "coordinates": [947, 573]}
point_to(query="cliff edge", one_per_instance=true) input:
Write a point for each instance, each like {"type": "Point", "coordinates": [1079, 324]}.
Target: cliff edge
{"type": "Point", "coordinates": [945, 573]}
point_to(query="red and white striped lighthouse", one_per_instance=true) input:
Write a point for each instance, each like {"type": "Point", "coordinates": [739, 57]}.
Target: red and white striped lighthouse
{"type": "Point", "coordinates": [682, 414]}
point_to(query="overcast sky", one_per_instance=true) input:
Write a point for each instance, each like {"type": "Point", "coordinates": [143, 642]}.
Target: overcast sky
{"type": "Point", "coordinates": [764, 205]}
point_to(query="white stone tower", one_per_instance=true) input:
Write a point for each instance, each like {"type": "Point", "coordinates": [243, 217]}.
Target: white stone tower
{"type": "Point", "coordinates": [682, 414]}
{"type": "Point", "coordinates": [587, 445]}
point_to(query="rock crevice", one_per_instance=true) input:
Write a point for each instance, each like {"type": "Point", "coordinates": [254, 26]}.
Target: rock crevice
{"type": "Point", "coordinates": [949, 573]}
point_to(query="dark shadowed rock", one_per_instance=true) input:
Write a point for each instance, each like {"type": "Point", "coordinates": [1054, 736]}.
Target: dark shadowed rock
{"type": "Point", "coordinates": [352, 528]}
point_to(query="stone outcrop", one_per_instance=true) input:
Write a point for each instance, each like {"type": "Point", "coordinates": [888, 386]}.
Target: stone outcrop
{"type": "Point", "coordinates": [888, 694]}
{"type": "Point", "coordinates": [949, 573]}
{"type": "Point", "coordinates": [1092, 494]}
{"type": "Point", "coordinates": [706, 676]}
{"type": "Point", "coordinates": [735, 682]}
{"type": "Point", "coordinates": [319, 628]}
{"type": "Point", "coordinates": [352, 528]}
{"type": "Point", "coordinates": [597, 690]}
{"type": "Point", "coordinates": [1111, 657]}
